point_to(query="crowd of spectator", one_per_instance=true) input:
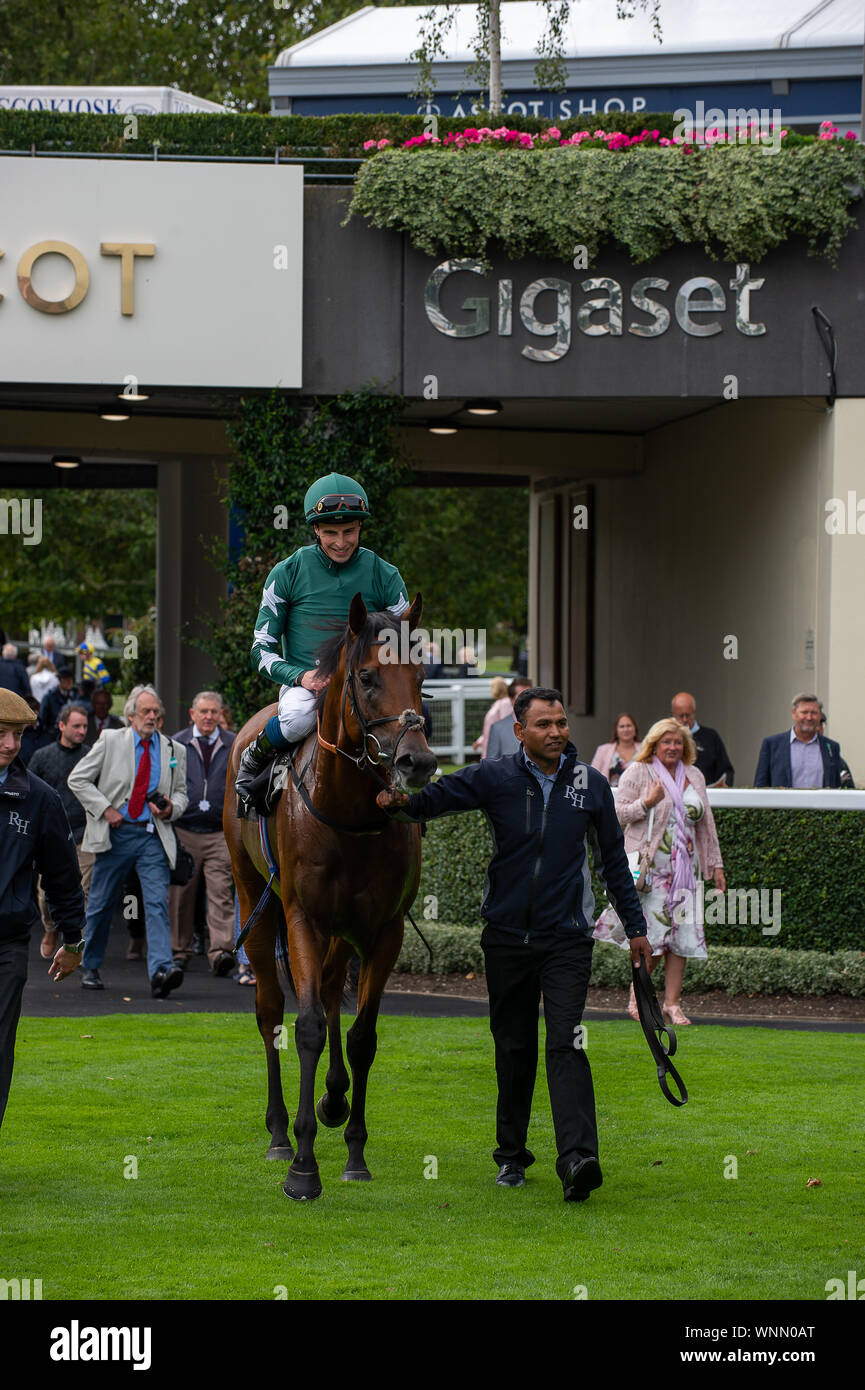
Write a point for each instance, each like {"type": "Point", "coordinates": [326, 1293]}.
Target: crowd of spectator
{"type": "Point", "coordinates": [127, 830]}
{"type": "Point", "coordinates": [125, 841]}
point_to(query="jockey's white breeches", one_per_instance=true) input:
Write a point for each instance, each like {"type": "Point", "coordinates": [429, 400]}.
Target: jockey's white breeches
{"type": "Point", "coordinates": [296, 713]}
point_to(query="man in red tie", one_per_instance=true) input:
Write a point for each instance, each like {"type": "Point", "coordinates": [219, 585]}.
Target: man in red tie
{"type": "Point", "coordinates": [132, 784]}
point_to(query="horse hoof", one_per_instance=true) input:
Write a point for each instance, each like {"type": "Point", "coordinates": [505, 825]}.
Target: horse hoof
{"type": "Point", "coordinates": [302, 1187]}
{"type": "Point", "coordinates": [280, 1153]}
{"type": "Point", "coordinates": [357, 1175]}
{"type": "Point", "coordinates": [328, 1120]}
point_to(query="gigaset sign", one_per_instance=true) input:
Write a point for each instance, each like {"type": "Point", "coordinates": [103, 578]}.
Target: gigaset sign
{"type": "Point", "coordinates": [690, 300]}
{"type": "Point", "coordinates": [126, 250]}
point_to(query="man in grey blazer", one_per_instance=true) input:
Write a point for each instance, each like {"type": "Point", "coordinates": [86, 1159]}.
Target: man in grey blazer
{"type": "Point", "coordinates": [132, 784]}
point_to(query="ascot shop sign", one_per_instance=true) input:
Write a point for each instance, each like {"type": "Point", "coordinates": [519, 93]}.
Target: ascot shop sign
{"type": "Point", "coordinates": [168, 272]}
{"type": "Point", "coordinates": [599, 315]}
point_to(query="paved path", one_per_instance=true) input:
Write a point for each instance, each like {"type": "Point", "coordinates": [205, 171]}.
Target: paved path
{"type": "Point", "coordinates": [127, 990]}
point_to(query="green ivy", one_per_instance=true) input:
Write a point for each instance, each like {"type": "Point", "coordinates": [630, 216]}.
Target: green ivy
{"type": "Point", "coordinates": [737, 202]}
{"type": "Point", "coordinates": [281, 446]}
{"type": "Point", "coordinates": [813, 857]}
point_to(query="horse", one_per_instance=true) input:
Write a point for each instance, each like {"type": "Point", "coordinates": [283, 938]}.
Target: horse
{"type": "Point", "coordinates": [347, 874]}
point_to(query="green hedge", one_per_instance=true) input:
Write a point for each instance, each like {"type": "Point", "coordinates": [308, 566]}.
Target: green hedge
{"type": "Point", "coordinates": [735, 969]}
{"type": "Point", "coordinates": [251, 134]}
{"type": "Point", "coordinates": [813, 857]}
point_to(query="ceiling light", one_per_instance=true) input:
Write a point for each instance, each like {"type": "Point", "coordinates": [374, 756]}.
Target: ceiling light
{"type": "Point", "coordinates": [442, 429]}
{"type": "Point", "coordinates": [66, 461]}
{"type": "Point", "coordinates": [113, 417]}
{"type": "Point", "coordinates": [483, 407]}
{"type": "Point", "coordinates": [132, 396]}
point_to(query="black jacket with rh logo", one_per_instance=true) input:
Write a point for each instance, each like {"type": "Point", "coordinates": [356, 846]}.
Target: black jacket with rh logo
{"type": "Point", "coordinates": [35, 839]}
{"type": "Point", "coordinates": [539, 879]}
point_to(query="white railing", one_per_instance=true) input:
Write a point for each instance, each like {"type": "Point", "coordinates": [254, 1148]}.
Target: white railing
{"type": "Point", "coordinates": [776, 798]}
{"type": "Point", "coordinates": [458, 709]}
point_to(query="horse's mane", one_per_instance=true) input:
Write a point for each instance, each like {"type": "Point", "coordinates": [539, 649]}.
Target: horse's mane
{"type": "Point", "coordinates": [330, 651]}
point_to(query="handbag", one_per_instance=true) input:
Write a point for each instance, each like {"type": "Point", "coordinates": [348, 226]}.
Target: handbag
{"type": "Point", "coordinates": [638, 861]}
{"type": "Point", "coordinates": [184, 864]}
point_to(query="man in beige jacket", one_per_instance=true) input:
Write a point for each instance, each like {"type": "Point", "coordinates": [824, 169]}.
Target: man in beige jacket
{"type": "Point", "coordinates": [132, 784]}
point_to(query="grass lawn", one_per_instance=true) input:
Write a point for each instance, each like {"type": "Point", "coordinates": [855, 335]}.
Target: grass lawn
{"type": "Point", "coordinates": [206, 1216]}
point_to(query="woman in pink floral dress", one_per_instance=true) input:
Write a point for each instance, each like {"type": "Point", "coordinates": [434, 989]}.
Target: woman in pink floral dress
{"type": "Point", "coordinates": [682, 848]}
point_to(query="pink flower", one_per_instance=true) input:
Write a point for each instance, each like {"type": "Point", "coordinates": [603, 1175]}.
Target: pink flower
{"type": "Point", "coordinates": [849, 136]}
{"type": "Point", "coordinates": [383, 144]}
{"type": "Point", "coordinates": [370, 144]}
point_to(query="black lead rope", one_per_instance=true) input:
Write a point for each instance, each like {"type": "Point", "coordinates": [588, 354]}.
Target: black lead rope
{"type": "Point", "coordinates": [421, 935]}
{"type": "Point", "coordinates": [653, 1025]}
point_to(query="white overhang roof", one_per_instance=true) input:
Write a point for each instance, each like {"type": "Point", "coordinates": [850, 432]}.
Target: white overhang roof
{"type": "Point", "coordinates": [387, 35]}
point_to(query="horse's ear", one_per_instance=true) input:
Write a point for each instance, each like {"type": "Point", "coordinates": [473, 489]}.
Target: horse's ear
{"type": "Point", "coordinates": [412, 617]}
{"type": "Point", "coordinates": [356, 615]}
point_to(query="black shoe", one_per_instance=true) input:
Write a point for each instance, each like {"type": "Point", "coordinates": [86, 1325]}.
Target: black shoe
{"type": "Point", "coordinates": [582, 1176]}
{"type": "Point", "coordinates": [90, 980]}
{"type": "Point", "coordinates": [180, 962]}
{"type": "Point", "coordinates": [224, 964]}
{"type": "Point", "coordinates": [165, 980]}
{"type": "Point", "coordinates": [511, 1175]}
{"type": "Point", "coordinates": [253, 761]}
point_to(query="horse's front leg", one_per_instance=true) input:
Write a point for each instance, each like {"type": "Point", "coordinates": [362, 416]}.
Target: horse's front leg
{"type": "Point", "coordinates": [360, 1043]}
{"type": "Point", "coordinates": [333, 1108]}
{"type": "Point", "coordinates": [306, 950]}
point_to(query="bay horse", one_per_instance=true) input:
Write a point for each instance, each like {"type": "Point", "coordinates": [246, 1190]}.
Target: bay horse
{"type": "Point", "coordinates": [347, 873]}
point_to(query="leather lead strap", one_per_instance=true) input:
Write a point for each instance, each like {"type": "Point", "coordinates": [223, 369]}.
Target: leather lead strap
{"type": "Point", "coordinates": [653, 1025]}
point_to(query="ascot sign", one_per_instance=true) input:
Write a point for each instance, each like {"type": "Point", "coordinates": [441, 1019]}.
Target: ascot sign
{"type": "Point", "coordinates": [209, 260]}
{"type": "Point", "coordinates": [690, 300]}
{"type": "Point", "coordinates": [126, 250]}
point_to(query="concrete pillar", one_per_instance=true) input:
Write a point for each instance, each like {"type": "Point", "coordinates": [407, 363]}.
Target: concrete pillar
{"type": "Point", "coordinates": [188, 588]}
{"type": "Point", "coordinates": [845, 653]}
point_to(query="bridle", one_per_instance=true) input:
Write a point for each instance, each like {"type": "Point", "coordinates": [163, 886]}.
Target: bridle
{"type": "Point", "coordinates": [366, 760]}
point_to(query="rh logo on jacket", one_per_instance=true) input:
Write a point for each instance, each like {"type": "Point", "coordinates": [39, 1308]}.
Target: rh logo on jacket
{"type": "Point", "coordinates": [576, 798]}
{"type": "Point", "coordinates": [19, 824]}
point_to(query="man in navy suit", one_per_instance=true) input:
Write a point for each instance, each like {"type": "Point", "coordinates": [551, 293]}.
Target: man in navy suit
{"type": "Point", "coordinates": [801, 756]}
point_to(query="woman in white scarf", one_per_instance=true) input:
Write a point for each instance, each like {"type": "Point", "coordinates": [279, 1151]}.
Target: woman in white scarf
{"type": "Point", "coordinates": [682, 848]}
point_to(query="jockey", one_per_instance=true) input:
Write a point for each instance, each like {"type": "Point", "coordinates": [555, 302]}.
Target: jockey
{"type": "Point", "coordinates": [93, 669]}
{"type": "Point", "coordinates": [305, 596]}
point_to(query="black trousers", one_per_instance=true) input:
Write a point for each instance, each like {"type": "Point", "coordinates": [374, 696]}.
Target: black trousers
{"type": "Point", "coordinates": [518, 972]}
{"type": "Point", "coordinates": [13, 975]}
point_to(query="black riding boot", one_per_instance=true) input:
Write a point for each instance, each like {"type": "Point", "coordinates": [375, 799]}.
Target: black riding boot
{"type": "Point", "coordinates": [253, 760]}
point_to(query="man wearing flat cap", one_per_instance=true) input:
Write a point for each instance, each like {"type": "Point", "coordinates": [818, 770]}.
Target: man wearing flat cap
{"type": "Point", "coordinates": [34, 838]}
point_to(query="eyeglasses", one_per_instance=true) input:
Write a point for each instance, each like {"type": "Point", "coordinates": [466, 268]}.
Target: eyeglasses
{"type": "Point", "coordinates": [341, 501]}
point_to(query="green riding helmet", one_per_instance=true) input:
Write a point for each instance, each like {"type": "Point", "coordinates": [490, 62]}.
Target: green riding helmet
{"type": "Point", "coordinates": [336, 498]}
